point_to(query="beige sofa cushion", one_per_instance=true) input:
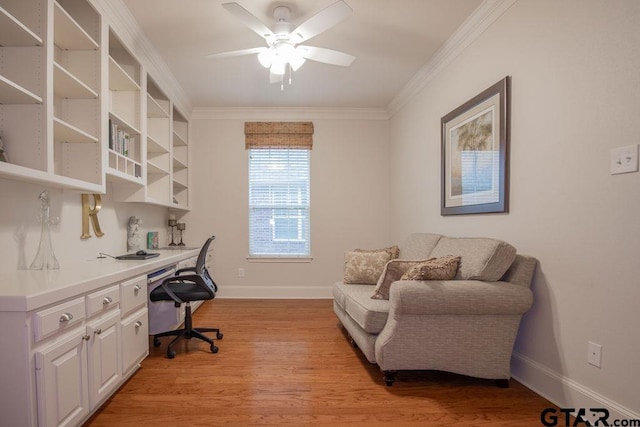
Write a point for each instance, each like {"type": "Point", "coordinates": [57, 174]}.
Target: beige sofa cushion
{"type": "Point", "coordinates": [371, 315]}
{"type": "Point", "coordinates": [480, 258]}
{"type": "Point", "coordinates": [418, 246]}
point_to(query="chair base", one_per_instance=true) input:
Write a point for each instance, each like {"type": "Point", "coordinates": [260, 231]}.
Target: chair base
{"type": "Point", "coordinates": [187, 332]}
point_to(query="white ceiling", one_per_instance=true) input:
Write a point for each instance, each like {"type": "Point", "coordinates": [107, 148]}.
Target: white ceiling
{"type": "Point", "coordinates": [391, 40]}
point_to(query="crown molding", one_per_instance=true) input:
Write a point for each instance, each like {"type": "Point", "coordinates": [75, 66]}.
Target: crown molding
{"type": "Point", "coordinates": [289, 113]}
{"type": "Point", "coordinates": [470, 30]}
{"type": "Point", "coordinates": [129, 32]}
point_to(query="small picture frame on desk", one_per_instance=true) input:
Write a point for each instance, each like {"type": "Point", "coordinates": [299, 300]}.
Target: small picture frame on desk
{"type": "Point", "coordinates": [152, 240]}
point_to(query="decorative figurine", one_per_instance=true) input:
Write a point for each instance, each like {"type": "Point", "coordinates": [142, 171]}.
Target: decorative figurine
{"type": "Point", "coordinates": [133, 234]}
{"type": "Point", "coordinates": [45, 258]}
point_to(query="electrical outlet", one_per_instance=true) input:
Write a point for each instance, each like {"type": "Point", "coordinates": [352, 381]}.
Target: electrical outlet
{"type": "Point", "coordinates": [594, 354]}
{"type": "Point", "coordinates": [241, 272]}
{"type": "Point", "coordinates": [624, 159]}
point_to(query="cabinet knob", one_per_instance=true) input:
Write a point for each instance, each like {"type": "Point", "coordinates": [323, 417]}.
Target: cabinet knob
{"type": "Point", "coordinates": [86, 337]}
{"type": "Point", "coordinates": [107, 300]}
{"type": "Point", "coordinates": [136, 289]}
{"type": "Point", "coordinates": [138, 324]}
{"type": "Point", "coordinates": [66, 317]}
{"type": "Point", "coordinates": [97, 331]}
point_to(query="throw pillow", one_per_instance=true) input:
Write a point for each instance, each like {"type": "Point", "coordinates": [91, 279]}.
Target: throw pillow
{"type": "Point", "coordinates": [443, 268]}
{"type": "Point", "coordinates": [393, 271]}
{"type": "Point", "coordinates": [364, 267]}
{"type": "Point", "coordinates": [394, 251]}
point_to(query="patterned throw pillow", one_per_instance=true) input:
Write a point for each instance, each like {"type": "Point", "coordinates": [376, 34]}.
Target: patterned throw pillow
{"type": "Point", "coordinates": [393, 271]}
{"type": "Point", "coordinates": [394, 251]}
{"type": "Point", "coordinates": [364, 267]}
{"type": "Point", "coordinates": [443, 268]}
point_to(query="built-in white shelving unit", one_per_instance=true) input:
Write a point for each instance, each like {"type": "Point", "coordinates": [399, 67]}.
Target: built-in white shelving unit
{"type": "Point", "coordinates": [78, 109]}
{"type": "Point", "coordinates": [158, 145]}
{"type": "Point", "coordinates": [125, 135]}
{"type": "Point", "coordinates": [23, 59]}
{"type": "Point", "coordinates": [180, 150]}
{"type": "Point", "coordinates": [77, 113]}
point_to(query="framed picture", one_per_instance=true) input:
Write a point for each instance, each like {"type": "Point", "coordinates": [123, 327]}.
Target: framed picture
{"type": "Point", "coordinates": [475, 154]}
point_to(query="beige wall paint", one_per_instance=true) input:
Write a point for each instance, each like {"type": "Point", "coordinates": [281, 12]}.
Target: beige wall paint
{"type": "Point", "coordinates": [576, 95]}
{"type": "Point", "coordinates": [349, 204]}
{"type": "Point", "coordinates": [20, 228]}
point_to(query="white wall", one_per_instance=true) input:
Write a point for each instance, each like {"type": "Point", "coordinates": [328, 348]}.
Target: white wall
{"type": "Point", "coordinates": [349, 203]}
{"type": "Point", "coordinates": [575, 96]}
{"type": "Point", "coordinates": [20, 228]}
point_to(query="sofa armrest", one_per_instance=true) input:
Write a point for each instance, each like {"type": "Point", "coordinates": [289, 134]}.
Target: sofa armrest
{"type": "Point", "coordinates": [472, 297]}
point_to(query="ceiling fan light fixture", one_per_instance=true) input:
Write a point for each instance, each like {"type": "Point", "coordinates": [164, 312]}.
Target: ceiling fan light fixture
{"type": "Point", "coordinates": [296, 62]}
{"type": "Point", "coordinates": [278, 66]}
{"type": "Point", "coordinates": [266, 58]}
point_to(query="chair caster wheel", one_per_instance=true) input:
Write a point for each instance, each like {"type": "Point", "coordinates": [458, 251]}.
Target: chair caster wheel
{"type": "Point", "coordinates": [156, 342]}
{"type": "Point", "coordinates": [219, 335]}
{"type": "Point", "coordinates": [171, 354]}
{"type": "Point", "coordinates": [214, 349]}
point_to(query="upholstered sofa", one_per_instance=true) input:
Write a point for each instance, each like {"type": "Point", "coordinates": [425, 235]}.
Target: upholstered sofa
{"type": "Point", "coordinates": [466, 325]}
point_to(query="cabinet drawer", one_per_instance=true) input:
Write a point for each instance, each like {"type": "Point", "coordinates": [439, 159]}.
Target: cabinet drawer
{"type": "Point", "coordinates": [103, 300]}
{"type": "Point", "coordinates": [133, 294]}
{"type": "Point", "coordinates": [58, 318]}
{"type": "Point", "coordinates": [135, 339]}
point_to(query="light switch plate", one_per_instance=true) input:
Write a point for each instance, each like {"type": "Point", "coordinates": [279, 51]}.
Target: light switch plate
{"type": "Point", "coordinates": [624, 159]}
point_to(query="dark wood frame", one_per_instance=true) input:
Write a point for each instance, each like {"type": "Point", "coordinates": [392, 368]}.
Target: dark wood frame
{"type": "Point", "coordinates": [503, 90]}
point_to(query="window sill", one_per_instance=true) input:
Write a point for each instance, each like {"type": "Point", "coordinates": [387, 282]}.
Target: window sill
{"type": "Point", "coordinates": [275, 259]}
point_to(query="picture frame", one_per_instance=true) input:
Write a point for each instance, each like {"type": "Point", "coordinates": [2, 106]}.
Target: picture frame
{"type": "Point", "coordinates": [475, 153]}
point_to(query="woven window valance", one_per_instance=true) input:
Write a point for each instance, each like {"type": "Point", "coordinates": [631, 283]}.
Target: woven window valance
{"type": "Point", "coordinates": [278, 135]}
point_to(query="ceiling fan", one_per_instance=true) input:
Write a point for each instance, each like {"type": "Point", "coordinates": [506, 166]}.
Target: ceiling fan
{"type": "Point", "coordinates": [283, 51]}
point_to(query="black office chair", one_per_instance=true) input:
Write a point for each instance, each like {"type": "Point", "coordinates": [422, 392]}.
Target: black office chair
{"type": "Point", "coordinates": [184, 288]}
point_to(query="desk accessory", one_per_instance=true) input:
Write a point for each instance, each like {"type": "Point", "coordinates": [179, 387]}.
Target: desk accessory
{"type": "Point", "coordinates": [45, 258]}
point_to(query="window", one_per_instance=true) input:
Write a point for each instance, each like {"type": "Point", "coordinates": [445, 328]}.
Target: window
{"type": "Point", "coordinates": [279, 202]}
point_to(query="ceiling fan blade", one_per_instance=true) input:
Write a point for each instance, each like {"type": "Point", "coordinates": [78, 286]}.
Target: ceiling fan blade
{"type": "Point", "coordinates": [249, 20]}
{"type": "Point", "coordinates": [328, 56]}
{"type": "Point", "coordinates": [276, 78]}
{"type": "Point", "coordinates": [321, 21]}
{"type": "Point", "coordinates": [233, 53]}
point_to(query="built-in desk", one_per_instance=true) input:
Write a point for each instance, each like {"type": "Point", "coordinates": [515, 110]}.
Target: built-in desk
{"type": "Point", "coordinates": [71, 337]}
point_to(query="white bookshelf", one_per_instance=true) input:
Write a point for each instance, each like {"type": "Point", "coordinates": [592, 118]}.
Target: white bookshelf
{"type": "Point", "coordinates": [23, 89]}
{"type": "Point", "coordinates": [77, 113]}
{"type": "Point", "coordinates": [124, 147]}
{"type": "Point", "coordinates": [65, 78]}
{"type": "Point", "coordinates": [180, 161]}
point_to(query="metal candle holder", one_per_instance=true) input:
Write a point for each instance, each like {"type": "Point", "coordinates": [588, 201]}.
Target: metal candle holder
{"type": "Point", "coordinates": [172, 225]}
{"type": "Point", "coordinates": [181, 227]}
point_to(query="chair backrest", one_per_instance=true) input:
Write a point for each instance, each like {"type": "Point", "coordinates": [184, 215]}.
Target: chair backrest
{"type": "Point", "coordinates": [202, 256]}
{"type": "Point", "coordinates": [201, 267]}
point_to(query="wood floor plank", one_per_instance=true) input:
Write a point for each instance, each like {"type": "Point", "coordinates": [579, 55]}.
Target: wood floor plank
{"type": "Point", "coordinates": [288, 362]}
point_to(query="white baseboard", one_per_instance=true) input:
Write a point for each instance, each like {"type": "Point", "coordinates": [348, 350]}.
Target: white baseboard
{"type": "Point", "coordinates": [563, 391]}
{"type": "Point", "coordinates": [275, 292]}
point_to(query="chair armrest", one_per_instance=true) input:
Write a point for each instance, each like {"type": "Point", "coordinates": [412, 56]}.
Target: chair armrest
{"type": "Point", "coordinates": [471, 297]}
{"type": "Point", "coordinates": [182, 270]}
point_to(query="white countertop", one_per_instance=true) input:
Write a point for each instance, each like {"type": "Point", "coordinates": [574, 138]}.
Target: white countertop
{"type": "Point", "coordinates": [26, 290]}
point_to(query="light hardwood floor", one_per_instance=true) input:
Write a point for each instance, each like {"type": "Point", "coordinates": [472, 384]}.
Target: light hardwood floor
{"type": "Point", "coordinates": [288, 362]}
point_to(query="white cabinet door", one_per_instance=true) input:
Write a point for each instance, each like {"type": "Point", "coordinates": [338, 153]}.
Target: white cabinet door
{"type": "Point", "coordinates": [61, 381]}
{"type": "Point", "coordinates": [135, 339]}
{"type": "Point", "coordinates": [104, 346]}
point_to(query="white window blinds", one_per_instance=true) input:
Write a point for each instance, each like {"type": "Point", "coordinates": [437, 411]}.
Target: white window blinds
{"type": "Point", "coordinates": [279, 202]}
